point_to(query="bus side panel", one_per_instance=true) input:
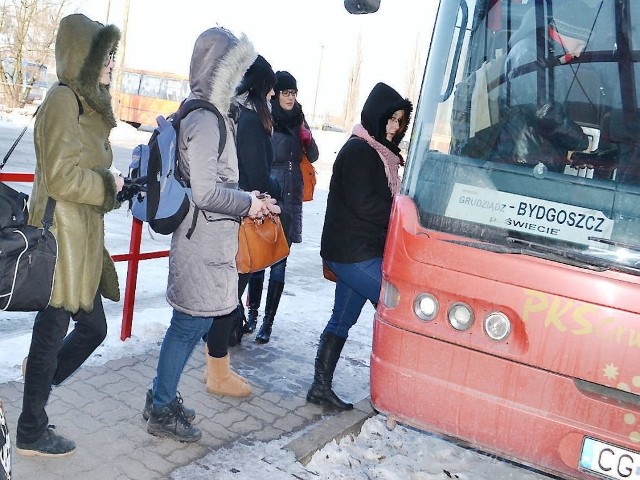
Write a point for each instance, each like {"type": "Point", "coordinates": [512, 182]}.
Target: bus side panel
{"type": "Point", "coordinates": [138, 109]}
{"type": "Point", "coordinates": [532, 397]}
{"type": "Point", "coordinates": [494, 404]}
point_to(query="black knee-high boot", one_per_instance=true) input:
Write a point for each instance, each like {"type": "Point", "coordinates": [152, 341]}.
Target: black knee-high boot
{"type": "Point", "coordinates": [274, 292]}
{"type": "Point", "coordinates": [326, 360]}
{"type": "Point", "coordinates": [254, 295]}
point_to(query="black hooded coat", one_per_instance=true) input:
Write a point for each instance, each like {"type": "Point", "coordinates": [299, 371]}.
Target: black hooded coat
{"type": "Point", "coordinates": [359, 201]}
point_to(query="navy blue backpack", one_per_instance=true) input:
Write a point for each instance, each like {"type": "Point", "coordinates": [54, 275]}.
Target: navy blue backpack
{"type": "Point", "coordinates": [164, 203]}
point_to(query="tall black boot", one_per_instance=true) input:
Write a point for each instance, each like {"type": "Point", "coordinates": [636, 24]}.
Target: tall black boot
{"type": "Point", "coordinates": [274, 292]}
{"type": "Point", "coordinates": [326, 359]}
{"type": "Point", "coordinates": [254, 295]}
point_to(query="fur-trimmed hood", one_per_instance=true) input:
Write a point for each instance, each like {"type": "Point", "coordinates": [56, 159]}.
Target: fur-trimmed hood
{"type": "Point", "coordinates": [82, 45]}
{"type": "Point", "coordinates": [218, 63]}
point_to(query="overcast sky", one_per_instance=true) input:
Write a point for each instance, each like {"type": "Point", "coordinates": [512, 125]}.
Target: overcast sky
{"type": "Point", "coordinates": [290, 34]}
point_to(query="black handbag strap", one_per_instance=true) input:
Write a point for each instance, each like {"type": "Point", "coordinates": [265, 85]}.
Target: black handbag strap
{"type": "Point", "coordinates": [47, 219]}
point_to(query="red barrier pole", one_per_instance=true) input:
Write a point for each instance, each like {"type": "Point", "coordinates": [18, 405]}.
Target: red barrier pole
{"type": "Point", "coordinates": [133, 258]}
{"type": "Point", "coordinates": [17, 177]}
{"type": "Point", "coordinates": [132, 278]}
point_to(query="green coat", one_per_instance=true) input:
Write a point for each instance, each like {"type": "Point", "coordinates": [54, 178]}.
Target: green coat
{"type": "Point", "coordinates": [73, 156]}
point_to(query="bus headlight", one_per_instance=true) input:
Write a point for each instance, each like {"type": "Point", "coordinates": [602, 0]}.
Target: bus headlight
{"type": "Point", "coordinates": [460, 316]}
{"type": "Point", "coordinates": [497, 326]}
{"type": "Point", "coordinates": [390, 296]}
{"type": "Point", "coordinates": [425, 307]}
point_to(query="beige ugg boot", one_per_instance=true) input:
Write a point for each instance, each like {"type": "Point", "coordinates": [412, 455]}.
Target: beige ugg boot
{"type": "Point", "coordinates": [206, 355]}
{"type": "Point", "coordinates": [221, 381]}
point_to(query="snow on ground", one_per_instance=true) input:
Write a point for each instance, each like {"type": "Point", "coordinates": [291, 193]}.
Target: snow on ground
{"type": "Point", "coordinates": [376, 453]}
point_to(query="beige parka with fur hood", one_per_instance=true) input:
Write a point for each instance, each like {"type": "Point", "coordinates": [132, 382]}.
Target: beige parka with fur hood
{"type": "Point", "coordinates": [203, 280]}
{"type": "Point", "coordinates": [73, 156]}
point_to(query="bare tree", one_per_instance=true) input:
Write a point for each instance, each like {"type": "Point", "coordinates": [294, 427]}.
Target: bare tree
{"type": "Point", "coordinates": [414, 73]}
{"type": "Point", "coordinates": [27, 33]}
{"type": "Point", "coordinates": [353, 89]}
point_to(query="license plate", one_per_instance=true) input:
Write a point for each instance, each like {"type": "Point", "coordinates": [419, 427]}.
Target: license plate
{"type": "Point", "coordinates": [609, 461]}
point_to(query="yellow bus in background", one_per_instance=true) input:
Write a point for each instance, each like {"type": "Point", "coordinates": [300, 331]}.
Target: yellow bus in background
{"type": "Point", "coordinates": [145, 94]}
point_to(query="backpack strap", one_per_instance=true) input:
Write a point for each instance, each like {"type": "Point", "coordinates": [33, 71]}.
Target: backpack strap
{"type": "Point", "coordinates": [186, 108]}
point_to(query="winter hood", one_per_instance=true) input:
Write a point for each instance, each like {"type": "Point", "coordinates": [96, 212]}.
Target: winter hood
{"type": "Point", "coordinates": [381, 103]}
{"type": "Point", "coordinates": [82, 45]}
{"type": "Point", "coordinates": [218, 63]}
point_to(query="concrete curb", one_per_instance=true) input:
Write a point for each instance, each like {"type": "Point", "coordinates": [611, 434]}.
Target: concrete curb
{"type": "Point", "coordinates": [331, 428]}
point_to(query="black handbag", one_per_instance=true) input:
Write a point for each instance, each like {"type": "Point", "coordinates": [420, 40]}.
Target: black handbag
{"type": "Point", "coordinates": [28, 254]}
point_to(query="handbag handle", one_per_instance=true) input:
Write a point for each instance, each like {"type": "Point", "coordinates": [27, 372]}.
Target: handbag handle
{"type": "Point", "coordinates": [257, 222]}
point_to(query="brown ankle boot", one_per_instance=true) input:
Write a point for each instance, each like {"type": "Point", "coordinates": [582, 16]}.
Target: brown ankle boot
{"type": "Point", "coordinates": [222, 381]}
{"type": "Point", "coordinates": [206, 355]}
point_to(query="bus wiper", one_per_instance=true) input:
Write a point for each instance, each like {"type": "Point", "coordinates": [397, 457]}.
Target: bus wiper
{"type": "Point", "coordinates": [628, 246]}
{"type": "Point", "coordinates": [490, 247]}
{"type": "Point", "coordinates": [577, 259]}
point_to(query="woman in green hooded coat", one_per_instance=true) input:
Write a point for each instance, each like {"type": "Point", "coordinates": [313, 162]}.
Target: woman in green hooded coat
{"type": "Point", "coordinates": [73, 156]}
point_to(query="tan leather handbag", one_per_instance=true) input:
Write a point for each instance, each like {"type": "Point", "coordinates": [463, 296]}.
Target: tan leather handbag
{"type": "Point", "coordinates": [261, 243]}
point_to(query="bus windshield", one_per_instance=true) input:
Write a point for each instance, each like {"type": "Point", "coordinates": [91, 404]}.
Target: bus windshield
{"type": "Point", "coordinates": [527, 134]}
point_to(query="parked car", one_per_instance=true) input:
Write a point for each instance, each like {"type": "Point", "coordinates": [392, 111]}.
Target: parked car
{"type": "Point", "coordinates": [327, 127]}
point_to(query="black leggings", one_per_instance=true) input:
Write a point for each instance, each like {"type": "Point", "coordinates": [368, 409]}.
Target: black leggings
{"type": "Point", "coordinates": [218, 335]}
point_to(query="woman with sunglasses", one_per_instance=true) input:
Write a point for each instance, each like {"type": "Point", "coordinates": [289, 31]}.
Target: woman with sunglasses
{"type": "Point", "coordinates": [291, 138]}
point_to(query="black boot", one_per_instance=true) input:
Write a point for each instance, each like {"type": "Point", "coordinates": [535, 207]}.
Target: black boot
{"type": "Point", "coordinates": [274, 292]}
{"type": "Point", "coordinates": [326, 359]}
{"type": "Point", "coordinates": [254, 295]}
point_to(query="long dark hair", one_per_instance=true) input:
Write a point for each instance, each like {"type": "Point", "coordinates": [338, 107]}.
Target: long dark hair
{"type": "Point", "coordinates": [257, 95]}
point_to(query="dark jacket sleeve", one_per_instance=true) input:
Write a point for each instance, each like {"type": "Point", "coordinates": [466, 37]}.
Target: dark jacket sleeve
{"type": "Point", "coordinates": [255, 156]}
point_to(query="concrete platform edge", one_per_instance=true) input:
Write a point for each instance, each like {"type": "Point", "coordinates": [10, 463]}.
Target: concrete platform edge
{"type": "Point", "coordinates": [331, 428]}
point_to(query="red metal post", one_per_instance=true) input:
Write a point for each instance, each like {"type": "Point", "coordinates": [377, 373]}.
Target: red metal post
{"type": "Point", "coordinates": [17, 177]}
{"type": "Point", "coordinates": [132, 278]}
{"type": "Point", "coordinates": [133, 258]}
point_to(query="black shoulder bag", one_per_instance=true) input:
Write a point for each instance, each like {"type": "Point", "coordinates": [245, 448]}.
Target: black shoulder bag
{"type": "Point", "coordinates": [28, 255]}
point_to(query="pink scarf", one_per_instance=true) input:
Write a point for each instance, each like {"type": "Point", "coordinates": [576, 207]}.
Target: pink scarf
{"type": "Point", "coordinates": [390, 160]}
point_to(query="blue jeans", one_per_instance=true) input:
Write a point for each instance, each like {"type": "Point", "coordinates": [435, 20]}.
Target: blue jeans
{"type": "Point", "coordinates": [181, 338]}
{"type": "Point", "coordinates": [357, 283]}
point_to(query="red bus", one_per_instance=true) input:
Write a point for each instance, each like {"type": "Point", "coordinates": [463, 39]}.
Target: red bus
{"type": "Point", "coordinates": [144, 95]}
{"type": "Point", "coordinates": [509, 316]}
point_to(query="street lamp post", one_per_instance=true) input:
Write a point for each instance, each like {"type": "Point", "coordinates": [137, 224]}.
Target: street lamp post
{"type": "Point", "coordinates": [315, 100]}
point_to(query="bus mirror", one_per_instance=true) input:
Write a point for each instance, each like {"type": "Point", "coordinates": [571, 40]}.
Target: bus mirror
{"type": "Point", "coordinates": [361, 6]}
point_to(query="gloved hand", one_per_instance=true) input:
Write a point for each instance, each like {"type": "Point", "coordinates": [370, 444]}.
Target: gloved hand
{"type": "Point", "coordinates": [305, 136]}
{"type": "Point", "coordinates": [271, 205]}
